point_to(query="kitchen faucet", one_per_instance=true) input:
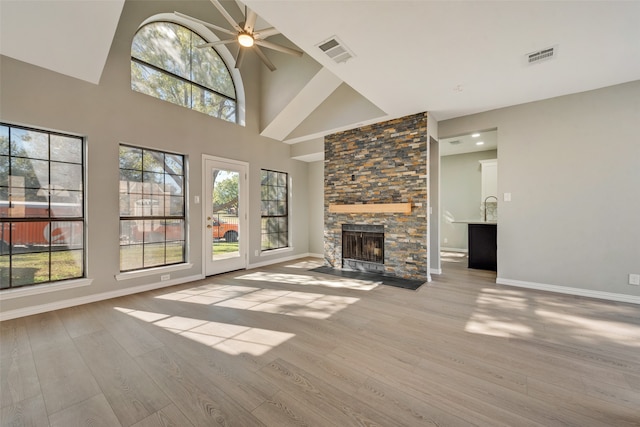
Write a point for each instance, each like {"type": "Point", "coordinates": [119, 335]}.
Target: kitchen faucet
{"type": "Point", "coordinates": [485, 206]}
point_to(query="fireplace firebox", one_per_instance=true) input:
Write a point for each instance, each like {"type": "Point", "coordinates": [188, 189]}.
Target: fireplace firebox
{"type": "Point", "coordinates": [363, 247]}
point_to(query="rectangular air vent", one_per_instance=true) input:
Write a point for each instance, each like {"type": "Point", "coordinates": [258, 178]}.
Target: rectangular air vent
{"type": "Point", "coordinates": [542, 55]}
{"type": "Point", "coordinates": [336, 50]}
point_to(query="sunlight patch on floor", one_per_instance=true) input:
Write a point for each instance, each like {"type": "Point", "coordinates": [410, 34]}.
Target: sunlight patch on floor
{"type": "Point", "coordinates": [307, 264]}
{"type": "Point", "coordinates": [489, 301]}
{"type": "Point", "coordinates": [229, 338]}
{"type": "Point", "coordinates": [308, 280]}
{"type": "Point", "coordinates": [314, 305]}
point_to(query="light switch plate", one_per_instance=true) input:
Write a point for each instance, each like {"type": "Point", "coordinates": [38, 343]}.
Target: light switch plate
{"type": "Point", "coordinates": [507, 197]}
{"type": "Point", "coordinates": [634, 279]}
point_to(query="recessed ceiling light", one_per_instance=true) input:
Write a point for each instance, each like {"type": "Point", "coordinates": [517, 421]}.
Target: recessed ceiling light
{"type": "Point", "coordinates": [480, 143]}
{"type": "Point", "coordinates": [475, 135]}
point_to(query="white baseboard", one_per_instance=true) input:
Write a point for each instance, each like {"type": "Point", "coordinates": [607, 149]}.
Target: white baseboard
{"type": "Point", "coordinates": [435, 270]}
{"type": "Point", "coordinates": [610, 296]}
{"type": "Point", "coordinates": [58, 305]}
{"type": "Point", "coordinates": [462, 250]}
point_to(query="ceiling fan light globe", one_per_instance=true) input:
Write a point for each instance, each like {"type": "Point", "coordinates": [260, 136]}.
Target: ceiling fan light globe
{"type": "Point", "coordinates": [245, 40]}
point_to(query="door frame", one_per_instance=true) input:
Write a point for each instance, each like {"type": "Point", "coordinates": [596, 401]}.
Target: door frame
{"type": "Point", "coordinates": [243, 210]}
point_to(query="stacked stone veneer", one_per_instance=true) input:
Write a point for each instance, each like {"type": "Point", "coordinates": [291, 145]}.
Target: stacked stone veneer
{"type": "Point", "coordinates": [381, 163]}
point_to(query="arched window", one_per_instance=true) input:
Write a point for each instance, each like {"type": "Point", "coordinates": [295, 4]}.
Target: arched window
{"type": "Point", "coordinates": [167, 64]}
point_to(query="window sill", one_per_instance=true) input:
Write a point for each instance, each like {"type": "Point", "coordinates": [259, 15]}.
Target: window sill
{"type": "Point", "coordinates": [276, 251]}
{"type": "Point", "coordinates": [43, 289]}
{"type": "Point", "coordinates": [152, 271]}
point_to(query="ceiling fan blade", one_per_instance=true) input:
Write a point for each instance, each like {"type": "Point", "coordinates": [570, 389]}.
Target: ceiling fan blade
{"type": "Point", "coordinates": [264, 58]}
{"type": "Point", "coordinates": [249, 20]}
{"type": "Point", "coordinates": [240, 56]}
{"type": "Point", "coordinates": [226, 15]}
{"type": "Point", "coordinates": [206, 24]}
{"type": "Point", "coordinates": [216, 43]}
{"type": "Point", "coordinates": [267, 32]}
{"type": "Point", "coordinates": [278, 47]}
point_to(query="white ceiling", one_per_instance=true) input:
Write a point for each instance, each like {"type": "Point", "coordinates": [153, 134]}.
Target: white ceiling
{"type": "Point", "coordinates": [451, 58]}
{"type": "Point", "coordinates": [454, 58]}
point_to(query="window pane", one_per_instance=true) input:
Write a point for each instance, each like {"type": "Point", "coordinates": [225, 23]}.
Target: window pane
{"type": "Point", "coordinates": [65, 176]}
{"type": "Point", "coordinates": [4, 170]}
{"type": "Point", "coordinates": [153, 231]}
{"type": "Point", "coordinates": [152, 161]}
{"type": "Point", "coordinates": [4, 140]}
{"type": "Point", "coordinates": [131, 257]}
{"type": "Point", "coordinates": [173, 184]}
{"type": "Point", "coordinates": [66, 149]}
{"type": "Point", "coordinates": [4, 203]}
{"type": "Point", "coordinates": [153, 254]}
{"type": "Point", "coordinates": [130, 181]}
{"type": "Point", "coordinates": [174, 163]}
{"type": "Point", "coordinates": [65, 235]}
{"type": "Point", "coordinates": [165, 45]}
{"type": "Point", "coordinates": [160, 85]}
{"type": "Point", "coordinates": [131, 231]}
{"type": "Point", "coordinates": [175, 252]}
{"type": "Point", "coordinates": [29, 173]}
{"type": "Point", "coordinates": [212, 104]}
{"type": "Point", "coordinates": [174, 206]}
{"type": "Point", "coordinates": [174, 229]}
{"type": "Point", "coordinates": [29, 268]}
{"type": "Point", "coordinates": [28, 143]}
{"type": "Point", "coordinates": [209, 69]}
{"type": "Point", "coordinates": [5, 274]}
{"type": "Point", "coordinates": [66, 265]}
{"type": "Point", "coordinates": [130, 158]}
{"type": "Point", "coordinates": [68, 206]}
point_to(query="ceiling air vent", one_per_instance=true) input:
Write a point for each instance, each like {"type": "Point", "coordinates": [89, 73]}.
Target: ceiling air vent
{"type": "Point", "coordinates": [336, 50]}
{"type": "Point", "coordinates": [542, 55]}
{"type": "Point", "coordinates": [455, 142]}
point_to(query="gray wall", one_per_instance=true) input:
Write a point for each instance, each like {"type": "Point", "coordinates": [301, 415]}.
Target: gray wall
{"type": "Point", "coordinates": [461, 183]}
{"type": "Point", "coordinates": [316, 208]}
{"type": "Point", "coordinates": [111, 113]}
{"type": "Point", "coordinates": [572, 166]}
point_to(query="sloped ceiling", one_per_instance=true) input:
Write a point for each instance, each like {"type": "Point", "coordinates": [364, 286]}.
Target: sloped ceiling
{"type": "Point", "coordinates": [69, 37]}
{"type": "Point", "coordinates": [451, 58]}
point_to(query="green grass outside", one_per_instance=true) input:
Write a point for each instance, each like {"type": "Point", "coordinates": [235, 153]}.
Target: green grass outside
{"type": "Point", "coordinates": [27, 269]}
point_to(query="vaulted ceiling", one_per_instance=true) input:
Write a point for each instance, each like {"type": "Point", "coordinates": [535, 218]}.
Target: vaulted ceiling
{"type": "Point", "coordinates": [451, 58]}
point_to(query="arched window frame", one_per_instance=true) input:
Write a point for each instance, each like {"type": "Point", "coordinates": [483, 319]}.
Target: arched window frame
{"type": "Point", "coordinates": [222, 51]}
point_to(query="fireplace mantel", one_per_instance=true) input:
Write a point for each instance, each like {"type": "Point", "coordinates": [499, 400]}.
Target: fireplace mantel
{"type": "Point", "coordinates": [404, 208]}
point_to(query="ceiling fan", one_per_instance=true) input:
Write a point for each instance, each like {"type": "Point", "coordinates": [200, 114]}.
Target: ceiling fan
{"type": "Point", "coordinates": [244, 35]}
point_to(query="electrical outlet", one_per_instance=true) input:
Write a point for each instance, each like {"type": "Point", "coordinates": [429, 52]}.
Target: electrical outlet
{"type": "Point", "coordinates": [634, 279]}
{"type": "Point", "coordinates": [446, 240]}
{"type": "Point", "coordinates": [165, 277]}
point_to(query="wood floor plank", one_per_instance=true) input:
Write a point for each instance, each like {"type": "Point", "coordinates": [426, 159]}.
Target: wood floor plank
{"type": "Point", "coordinates": [30, 412]}
{"type": "Point", "coordinates": [18, 379]}
{"type": "Point", "coordinates": [64, 378]}
{"type": "Point", "coordinates": [132, 395]}
{"type": "Point", "coordinates": [94, 412]}
{"type": "Point", "coordinates": [169, 416]}
{"type": "Point", "coordinates": [199, 399]}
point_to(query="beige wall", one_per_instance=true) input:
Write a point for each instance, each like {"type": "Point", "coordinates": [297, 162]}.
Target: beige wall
{"type": "Point", "coordinates": [111, 113]}
{"type": "Point", "coordinates": [571, 165]}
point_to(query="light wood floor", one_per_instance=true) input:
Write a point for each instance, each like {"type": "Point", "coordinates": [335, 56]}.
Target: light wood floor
{"type": "Point", "coordinates": [282, 346]}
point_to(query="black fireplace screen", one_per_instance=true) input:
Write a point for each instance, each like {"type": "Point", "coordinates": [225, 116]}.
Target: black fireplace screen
{"type": "Point", "coordinates": [363, 246]}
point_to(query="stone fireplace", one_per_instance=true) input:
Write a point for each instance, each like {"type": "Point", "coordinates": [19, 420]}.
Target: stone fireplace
{"type": "Point", "coordinates": [376, 183]}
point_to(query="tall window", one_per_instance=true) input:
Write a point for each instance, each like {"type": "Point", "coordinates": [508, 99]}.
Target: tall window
{"type": "Point", "coordinates": [275, 210]}
{"type": "Point", "coordinates": [167, 63]}
{"type": "Point", "coordinates": [41, 207]}
{"type": "Point", "coordinates": [152, 208]}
